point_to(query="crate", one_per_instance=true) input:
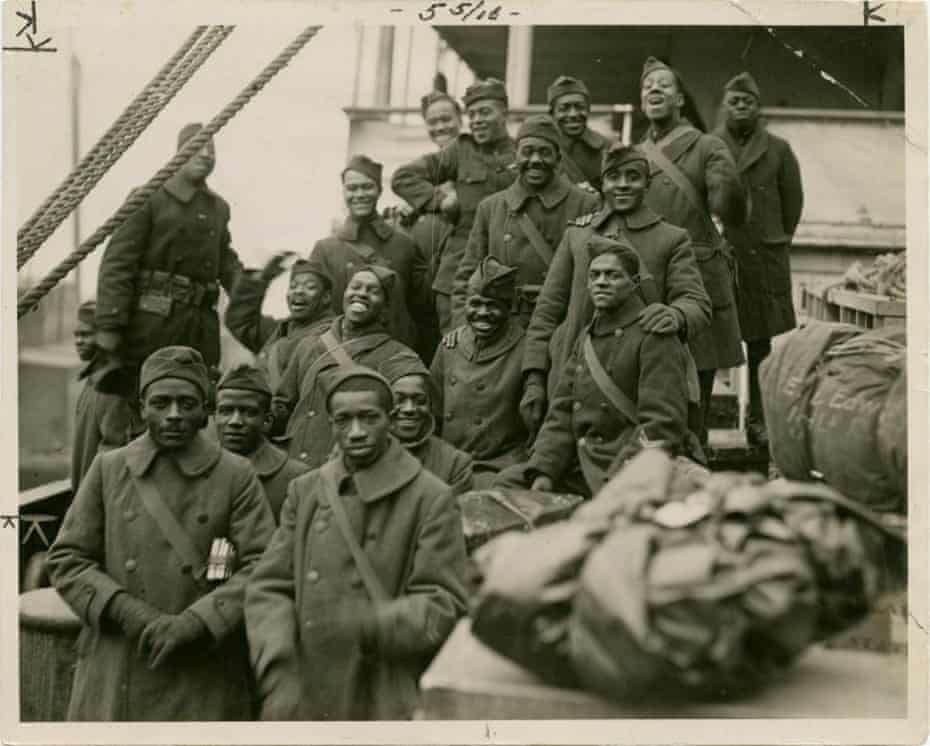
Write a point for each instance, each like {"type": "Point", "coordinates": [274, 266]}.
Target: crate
{"type": "Point", "coordinates": [853, 307]}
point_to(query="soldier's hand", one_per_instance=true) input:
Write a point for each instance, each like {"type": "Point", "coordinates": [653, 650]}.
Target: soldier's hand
{"type": "Point", "coordinates": [274, 267]}
{"type": "Point", "coordinates": [449, 204]}
{"type": "Point", "coordinates": [168, 633]}
{"type": "Point", "coordinates": [132, 614]}
{"type": "Point", "coordinates": [588, 187]}
{"type": "Point", "coordinates": [451, 339]}
{"type": "Point", "coordinates": [542, 483]}
{"type": "Point", "coordinates": [108, 339]}
{"type": "Point", "coordinates": [657, 318]}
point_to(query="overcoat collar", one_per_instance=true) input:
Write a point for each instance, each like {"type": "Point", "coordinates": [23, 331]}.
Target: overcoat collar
{"type": "Point", "coordinates": [198, 458]}
{"type": "Point", "coordinates": [641, 217]}
{"type": "Point", "coordinates": [351, 228]}
{"type": "Point", "coordinates": [267, 460]}
{"type": "Point", "coordinates": [626, 315]}
{"type": "Point", "coordinates": [591, 139]}
{"type": "Point", "coordinates": [676, 142]}
{"type": "Point", "coordinates": [554, 193]}
{"type": "Point", "coordinates": [393, 471]}
{"type": "Point", "coordinates": [755, 147]}
{"type": "Point", "coordinates": [414, 445]}
{"type": "Point", "coordinates": [477, 354]}
{"type": "Point", "coordinates": [182, 192]}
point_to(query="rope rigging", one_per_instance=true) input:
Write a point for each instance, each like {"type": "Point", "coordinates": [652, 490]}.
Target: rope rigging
{"type": "Point", "coordinates": [30, 299]}
{"type": "Point", "coordinates": [118, 139]}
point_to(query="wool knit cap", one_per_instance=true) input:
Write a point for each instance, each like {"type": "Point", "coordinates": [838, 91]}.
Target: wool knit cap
{"type": "Point", "coordinates": [303, 267]}
{"type": "Point", "coordinates": [403, 364]}
{"type": "Point", "coordinates": [619, 154]}
{"type": "Point", "coordinates": [491, 279]}
{"type": "Point", "coordinates": [246, 378]}
{"type": "Point", "coordinates": [745, 83]}
{"type": "Point", "coordinates": [490, 88]}
{"type": "Point", "coordinates": [387, 277]}
{"type": "Point", "coordinates": [187, 132]}
{"type": "Point", "coordinates": [365, 165]}
{"type": "Point", "coordinates": [433, 96]}
{"type": "Point", "coordinates": [539, 125]}
{"type": "Point", "coordinates": [335, 379]}
{"type": "Point", "coordinates": [564, 85]}
{"type": "Point", "coordinates": [176, 361]}
{"type": "Point", "coordinates": [87, 313]}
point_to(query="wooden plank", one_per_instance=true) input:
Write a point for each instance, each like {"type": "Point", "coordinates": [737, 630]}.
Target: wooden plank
{"type": "Point", "coordinates": [879, 305]}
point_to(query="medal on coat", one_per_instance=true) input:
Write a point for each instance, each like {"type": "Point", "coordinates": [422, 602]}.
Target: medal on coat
{"type": "Point", "coordinates": [222, 560]}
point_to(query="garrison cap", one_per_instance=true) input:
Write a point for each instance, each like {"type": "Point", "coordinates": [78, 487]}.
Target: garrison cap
{"type": "Point", "coordinates": [246, 378]}
{"type": "Point", "coordinates": [563, 85]}
{"type": "Point", "coordinates": [745, 83]}
{"type": "Point", "coordinates": [387, 277]}
{"type": "Point", "coordinates": [87, 312]}
{"type": "Point", "coordinates": [599, 245]}
{"type": "Point", "coordinates": [364, 165]}
{"type": "Point", "coordinates": [403, 364]}
{"type": "Point", "coordinates": [175, 361]}
{"type": "Point", "coordinates": [539, 125]}
{"type": "Point", "coordinates": [652, 64]}
{"type": "Point", "coordinates": [482, 89]}
{"type": "Point", "coordinates": [619, 154]}
{"type": "Point", "coordinates": [433, 96]}
{"type": "Point", "coordinates": [187, 132]}
{"type": "Point", "coordinates": [342, 375]}
{"type": "Point", "coordinates": [491, 279]}
{"type": "Point", "coordinates": [303, 267]}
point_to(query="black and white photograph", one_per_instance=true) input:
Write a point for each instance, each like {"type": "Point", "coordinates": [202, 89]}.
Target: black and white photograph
{"type": "Point", "coordinates": [464, 372]}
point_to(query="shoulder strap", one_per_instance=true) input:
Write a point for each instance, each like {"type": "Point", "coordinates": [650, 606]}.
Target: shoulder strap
{"type": "Point", "coordinates": [369, 578]}
{"type": "Point", "coordinates": [543, 249]}
{"type": "Point", "coordinates": [621, 402]}
{"type": "Point", "coordinates": [334, 348]}
{"type": "Point", "coordinates": [169, 526]}
{"type": "Point", "coordinates": [656, 154]}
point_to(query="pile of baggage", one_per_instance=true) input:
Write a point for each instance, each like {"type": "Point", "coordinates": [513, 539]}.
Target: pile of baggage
{"type": "Point", "coordinates": [703, 585]}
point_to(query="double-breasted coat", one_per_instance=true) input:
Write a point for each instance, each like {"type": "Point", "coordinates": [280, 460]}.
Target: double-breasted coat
{"type": "Point", "coordinates": [109, 543]}
{"type": "Point", "coordinates": [582, 426]}
{"type": "Point", "coordinates": [275, 472]}
{"type": "Point", "coordinates": [772, 176]}
{"type": "Point", "coordinates": [497, 232]}
{"type": "Point", "coordinates": [479, 391]}
{"type": "Point", "coordinates": [356, 245]}
{"type": "Point", "coordinates": [451, 465]}
{"type": "Point", "coordinates": [409, 525]}
{"type": "Point", "coordinates": [564, 307]}
{"type": "Point", "coordinates": [308, 436]}
{"type": "Point", "coordinates": [270, 340]}
{"type": "Point", "coordinates": [181, 234]}
{"type": "Point", "coordinates": [706, 162]}
{"type": "Point", "coordinates": [476, 171]}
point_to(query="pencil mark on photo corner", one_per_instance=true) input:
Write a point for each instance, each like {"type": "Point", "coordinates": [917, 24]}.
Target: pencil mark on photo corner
{"type": "Point", "coordinates": [919, 625]}
{"type": "Point", "coordinates": [870, 12]}
{"type": "Point", "coordinates": [801, 55]}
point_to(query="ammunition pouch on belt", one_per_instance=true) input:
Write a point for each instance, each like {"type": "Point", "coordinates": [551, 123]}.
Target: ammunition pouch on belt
{"type": "Point", "coordinates": [524, 300]}
{"type": "Point", "coordinates": [159, 291]}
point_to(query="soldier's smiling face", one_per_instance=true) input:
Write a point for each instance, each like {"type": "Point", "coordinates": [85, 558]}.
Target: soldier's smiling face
{"type": "Point", "coordinates": [570, 112]}
{"type": "Point", "coordinates": [306, 295]}
{"type": "Point", "coordinates": [487, 120]}
{"type": "Point", "coordinates": [360, 193]}
{"type": "Point", "coordinates": [173, 410]}
{"type": "Point", "coordinates": [537, 160]}
{"type": "Point", "coordinates": [242, 417]}
{"type": "Point", "coordinates": [624, 187]}
{"type": "Point", "coordinates": [411, 407]}
{"type": "Point", "coordinates": [364, 298]}
{"type": "Point", "coordinates": [361, 423]}
{"type": "Point", "coordinates": [443, 121]}
{"type": "Point", "coordinates": [486, 316]}
{"type": "Point", "coordinates": [610, 283]}
{"type": "Point", "coordinates": [660, 94]}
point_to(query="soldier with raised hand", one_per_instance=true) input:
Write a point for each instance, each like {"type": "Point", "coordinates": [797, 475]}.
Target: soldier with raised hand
{"type": "Point", "coordinates": [693, 183]}
{"type": "Point", "coordinates": [364, 579]}
{"type": "Point", "coordinates": [521, 225]}
{"type": "Point", "coordinates": [478, 163]}
{"type": "Point", "coordinates": [243, 419]}
{"type": "Point", "coordinates": [161, 272]}
{"type": "Point", "coordinates": [772, 176]}
{"type": "Point", "coordinates": [273, 341]}
{"type": "Point", "coordinates": [582, 148]}
{"type": "Point", "coordinates": [153, 556]}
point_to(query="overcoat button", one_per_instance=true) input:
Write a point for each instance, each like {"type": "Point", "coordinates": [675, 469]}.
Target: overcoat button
{"type": "Point", "coordinates": [479, 386]}
{"type": "Point", "coordinates": [321, 526]}
{"type": "Point", "coordinates": [131, 565]}
{"type": "Point", "coordinates": [576, 406]}
{"type": "Point", "coordinates": [303, 456]}
{"type": "Point", "coordinates": [129, 515]}
{"type": "Point", "coordinates": [582, 442]}
{"type": "Point", "coordinates": [313, 576]}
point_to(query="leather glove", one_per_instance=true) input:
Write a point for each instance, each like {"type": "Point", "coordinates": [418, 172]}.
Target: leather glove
{"type": "Point", "coordinates": [542, 483]}
{"type": "Point", "coordinates": [108, 339]}
{"type": "Point", "coordinates": [449, 204]}
{"type": "Point", "coordinates": [657, 318]}
{"type": "Point", "coordinates": [274, 267]}
{"type": "Point", "coordinates": [132, 614]}
{"type": "Point", "coordinates": [533, 402]}
{"type": "Point", "coordinates": [169, 632]}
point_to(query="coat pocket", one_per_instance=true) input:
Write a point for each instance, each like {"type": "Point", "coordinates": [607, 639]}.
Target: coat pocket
{"type": "Point", "coordinates": [714, 264]}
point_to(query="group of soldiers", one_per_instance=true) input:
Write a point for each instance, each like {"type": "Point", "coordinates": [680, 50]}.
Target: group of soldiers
{"type": "Point", "coordinates": [282, 540]}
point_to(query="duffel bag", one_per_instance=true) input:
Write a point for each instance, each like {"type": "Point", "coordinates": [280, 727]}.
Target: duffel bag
{"type": "Point", "coordinates": [706, 595]}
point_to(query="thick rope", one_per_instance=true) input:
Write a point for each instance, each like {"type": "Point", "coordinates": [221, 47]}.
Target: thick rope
{"type": "Point", "coordinates": [115, 143]}
{"type": "Point", "coordinates": [30, 299]}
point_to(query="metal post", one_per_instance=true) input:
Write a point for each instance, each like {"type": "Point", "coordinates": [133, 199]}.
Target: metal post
{"type": "Point", "coordinates": [384, 72]}
{"type": "Point", "coordinates": [519, 64]}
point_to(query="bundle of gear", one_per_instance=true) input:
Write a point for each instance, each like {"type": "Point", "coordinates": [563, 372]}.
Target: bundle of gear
{"type": "Point", "coordinates": [703, 586]}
